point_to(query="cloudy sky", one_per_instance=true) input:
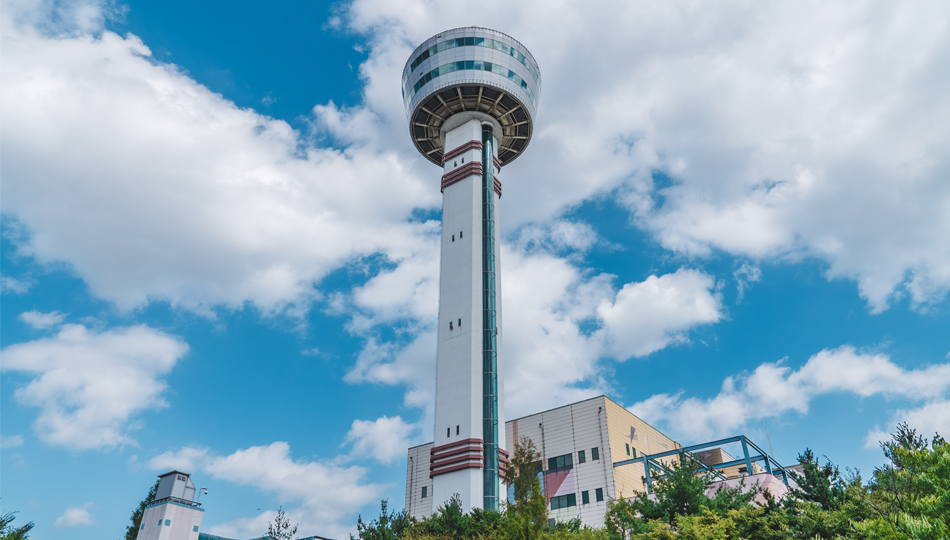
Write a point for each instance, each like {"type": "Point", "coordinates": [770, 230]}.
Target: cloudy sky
{"type": "Point", "coordinates": [220, 249]}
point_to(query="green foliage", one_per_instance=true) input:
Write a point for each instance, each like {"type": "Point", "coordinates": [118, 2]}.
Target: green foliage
{"type": "Point", "coordinates": [680, 493]}
{"type": "Point", "coordinates": [132, 531]}
{"type": "Point", "coordinates": [819, 484]}
{"type": "Point", "coordinates": [910, 498]}
{"type": "Point", "coordinates": [389, 526]}
{"type": "Point", "coordinates": [9, 532]}
{"type": "Point", "coordinates": [280, 528]}
{"type": "Point", "coordinates": [528, 515]}
{"type": "Point", "coordinates": [907, 499]}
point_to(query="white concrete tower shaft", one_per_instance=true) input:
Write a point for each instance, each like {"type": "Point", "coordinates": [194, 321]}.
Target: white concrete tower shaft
{"type": "Point", "coordinates": [469, 407]}
{"type": "Point", "coordinates": [471, 96]}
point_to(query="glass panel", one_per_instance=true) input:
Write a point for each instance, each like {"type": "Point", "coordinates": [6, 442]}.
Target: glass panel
{"type": "Point", "coordinates": [572, 500]}
{"type": "Point", "coordinates": [600, 494]}
{"type": "Point", "coordinates": [585, 497]}
{"type": "Point", "coordinates": [595, 453]}
{"type": "Point", "coordinates": [581, 457]}
{"type": "Point", "coordinates": [470, 41]}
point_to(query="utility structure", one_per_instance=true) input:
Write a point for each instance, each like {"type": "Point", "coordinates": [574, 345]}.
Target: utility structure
{"type": "Point", "coordinates": [471, 97]}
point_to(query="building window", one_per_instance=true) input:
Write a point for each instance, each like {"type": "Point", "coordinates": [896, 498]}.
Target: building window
{"type": "Point", "coordinates": [600, 494]}
{"type": "Point", "coordinates": [448, 432]}
{"type": "Point", "coordinates": [142, 527]}
{"type": "Point", "coordinates": [625, 444]}
{"type": "Point", "coordinates": [453, 238]}
{"type": "Point", "coordinates": [168, 522]}
{"type": "Point", "coordinates": [460, 235]}
{"type": "Point", "coordinates": [581, 456]}
{"type": "Point", "coordinates": [564, 501]}
{"type": "Point", "coordinates": [595, 453]}
{"type": "Point", "coordinates": [194, 529]}
{"type": "Point", "coordinates": [634, 450]}
{"type": "Point", "coordinates": [560, 462]}
{"type": "Point", "coordinates": [585, 497]}
{"type": "Point", "coordinates": [460, 323]}
{"type": "Point", "coordinates": [456, 430]}
{"type": "Point", "coordinates": [425, 491]}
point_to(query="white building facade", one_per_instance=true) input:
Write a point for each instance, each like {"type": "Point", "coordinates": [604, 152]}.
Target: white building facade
{"type": "Point", "coordinates": [471, 97]}
{"type": "Point", "coordinates": [174, 515]}
{"type": "Point", "coordinates": [579, 445]}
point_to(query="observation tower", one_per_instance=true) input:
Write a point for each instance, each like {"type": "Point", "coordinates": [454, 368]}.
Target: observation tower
{"type": "Point", "coordinates": [471, 95]}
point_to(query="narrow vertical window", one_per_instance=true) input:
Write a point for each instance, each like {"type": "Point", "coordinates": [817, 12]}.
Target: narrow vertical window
{"type": "Point", "coordinates": [595, 453]}
{"type": "Point", "coordinates": [625, 444]}
{"type": "Point", "coordinates": [600, 494]}
{"type": "Point", "coordinates": [460, 323]}
{"type": "Point", "coordinates": [453, 238]}
{"type": "Point", "coordinates": [585, 497]}
{"type": "Point", "coordinates": [456, 430]}
{"type": "Point", "coordinates": [581, 456]}
{"type": "Point", "coordinates": [425, 491]}
{"type": "Point", "coordinates": [448, 432]}
{"type": "Point", "coordinates": [460, 235]}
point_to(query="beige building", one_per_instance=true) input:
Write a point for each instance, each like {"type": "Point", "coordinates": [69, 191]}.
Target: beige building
{"type": "Point", "coordinates": [579, 444]}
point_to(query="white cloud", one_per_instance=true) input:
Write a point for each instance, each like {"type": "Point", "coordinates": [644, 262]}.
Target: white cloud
{"type": "Point", "coordinates": [40, 320]}
{"type": "Point", "coordinates": [745, 276]}
{"type": "Point", "coordinates": [196, 201]}
{"type": "Point", "coordinates": [787, 130]}
{"type": "Point", "coordinates": [327, 495]}
{"type": "Point", "coordinates": [384, 440]}
{"type": "Point", "coordinates": [14, 285]}
{"type": "Point", "coordinates": [11, 442]}
{"type": "Point", "coordinates": [557, 324]}
{"type": "Point", "coordinates": [89, 384]}
{"type": "Point", "coordinates": [75, 516]}
{"type": "Point", "coordinates": [934, 417]}
{"type": "Point", "coordinates": [773, 389]}
{"type": "Point", "coordinates": [648, 316]}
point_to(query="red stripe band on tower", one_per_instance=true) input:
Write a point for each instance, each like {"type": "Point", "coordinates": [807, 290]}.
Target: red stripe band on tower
{"type": "Point", "coordinates": [497, 164]}
{"type": "Point", "coordinates": [469, 169]}
{"type": "Point", "coordinates": [470, 145]}
{"type": "Point", "coordinates": [455, 456]}
{"type": "Point", "coordinates": [498, 187]}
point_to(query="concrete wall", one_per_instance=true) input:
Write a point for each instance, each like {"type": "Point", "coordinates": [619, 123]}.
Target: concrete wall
{"type": "Point", "coordinates": [181, 522]}
{"type": "Point", "coordinates": [417, 478]}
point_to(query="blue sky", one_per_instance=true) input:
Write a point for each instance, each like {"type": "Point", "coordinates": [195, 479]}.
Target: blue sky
{"type": "Point", "coordinates": [220, 249]}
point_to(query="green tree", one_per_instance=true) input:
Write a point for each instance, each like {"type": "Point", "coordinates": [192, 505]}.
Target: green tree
{"type": "Point", "coordinates": [910, 498]}
{"type": "Point", "coordinates": [528, 515]}
{"type": "Point", "coordinates": [132, 531]}
{"type": "Point", "coordinates": [819, 484]}
{"type": "Point", "coordinates": [9, 532]}
{"type": "Point", "coordinates": [389, 525]}
{"type": "Point", "coordinates": [280, 528]}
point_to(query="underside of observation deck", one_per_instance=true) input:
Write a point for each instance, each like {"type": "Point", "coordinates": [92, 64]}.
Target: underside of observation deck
{"type": "Point", "coordinates": [427, 119]}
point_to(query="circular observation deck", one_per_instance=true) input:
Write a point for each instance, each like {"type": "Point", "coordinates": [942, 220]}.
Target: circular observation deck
{"type": "Point", "coordinates": [471, 70]}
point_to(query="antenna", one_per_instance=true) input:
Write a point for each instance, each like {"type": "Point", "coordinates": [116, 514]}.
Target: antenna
{"type": "Point", "coordinates": [769, 438]}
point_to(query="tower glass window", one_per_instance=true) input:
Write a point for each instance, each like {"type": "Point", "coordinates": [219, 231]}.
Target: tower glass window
{"type": "Point", "coordinates": [595, 453]}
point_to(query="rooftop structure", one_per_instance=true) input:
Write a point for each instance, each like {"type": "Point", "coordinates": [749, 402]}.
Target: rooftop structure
{"type": "Point", "coordinates": [174, 515]}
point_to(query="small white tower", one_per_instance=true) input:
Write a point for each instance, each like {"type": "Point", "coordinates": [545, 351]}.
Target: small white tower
{"type": "Point", "coordinates": [174, 515]}
{"type": "Point", "coordinates": [471, 98]}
